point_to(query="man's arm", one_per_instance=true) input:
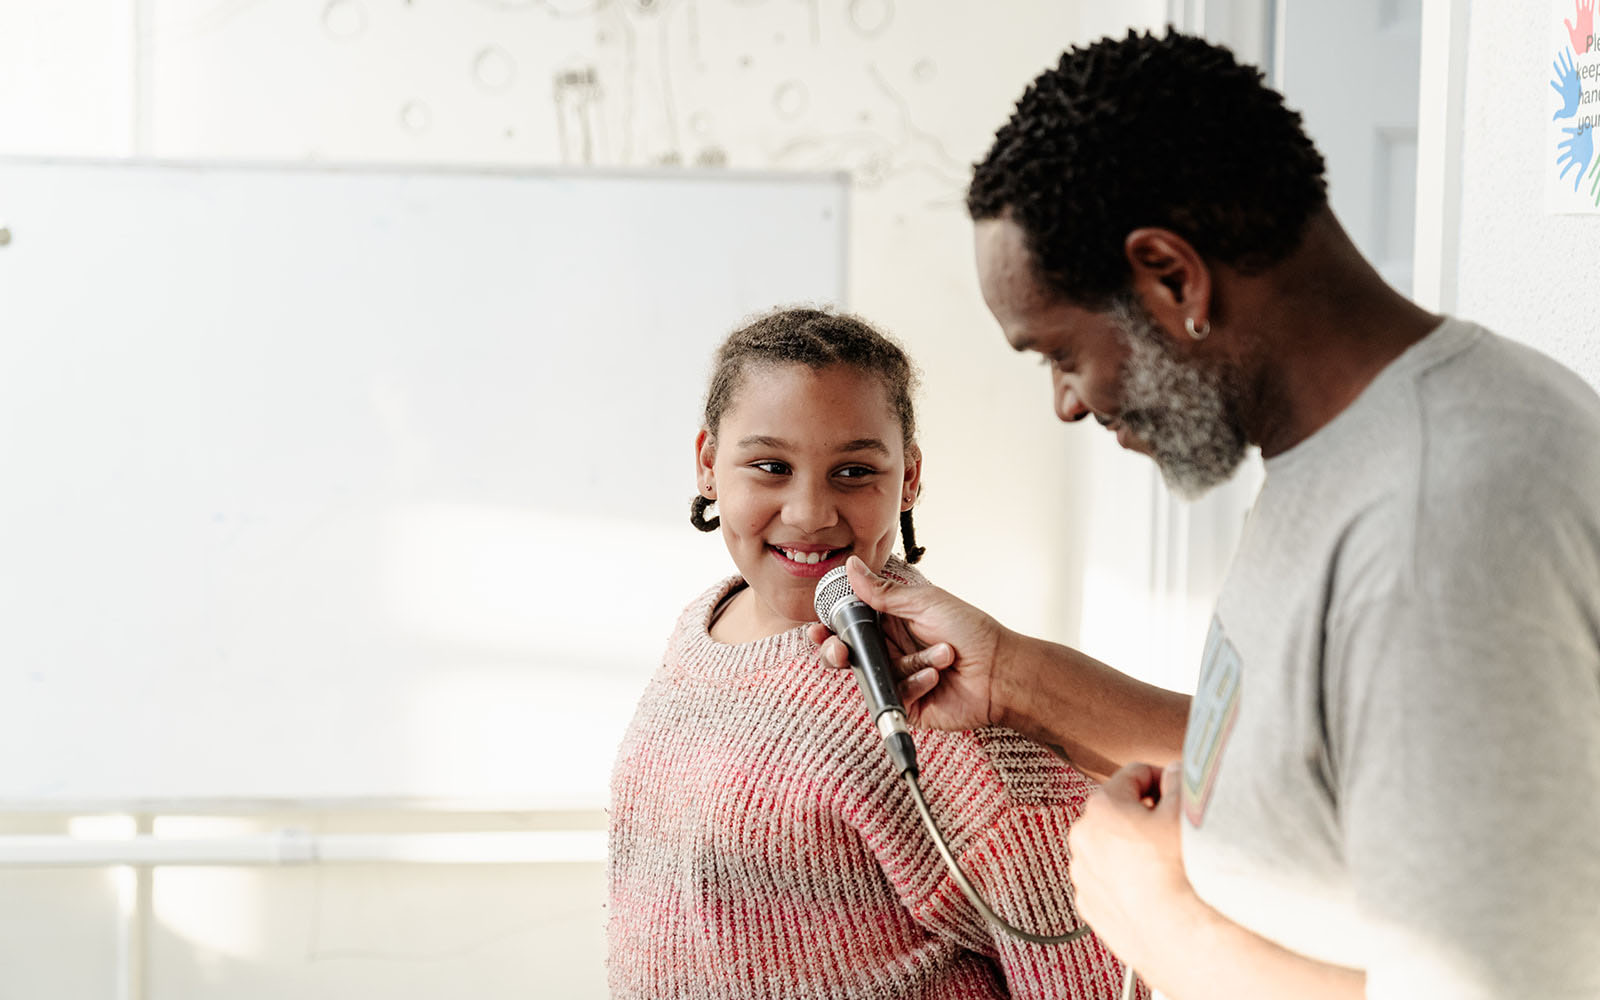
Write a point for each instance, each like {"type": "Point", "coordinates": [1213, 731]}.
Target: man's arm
{"type": "Point", "coordinates": [1096, 716]}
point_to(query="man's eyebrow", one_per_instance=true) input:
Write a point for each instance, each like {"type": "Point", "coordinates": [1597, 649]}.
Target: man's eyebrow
{"type": "Point", "coordinates": [768, 441]}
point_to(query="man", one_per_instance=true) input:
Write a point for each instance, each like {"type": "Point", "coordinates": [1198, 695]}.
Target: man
{"type": "Point", "coordinates": [1390, 775]}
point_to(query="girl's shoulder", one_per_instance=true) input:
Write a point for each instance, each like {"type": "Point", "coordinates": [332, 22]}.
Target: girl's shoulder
{"type": "Point", "coordinates": [696, 616]}
{"type": "Point", "coordinates": [900, 571]}
{"type": "Point", "coordinates": [691, 650]}
{"type": "Point", "coordinates": [1000, 769]}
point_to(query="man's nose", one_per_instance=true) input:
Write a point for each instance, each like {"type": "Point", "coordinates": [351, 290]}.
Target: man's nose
{"type": "Point", "coordinates": [1069, 404]}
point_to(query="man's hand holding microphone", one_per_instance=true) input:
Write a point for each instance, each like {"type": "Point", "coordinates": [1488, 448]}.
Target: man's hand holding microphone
{"type": "Point", "coordinates": [959, 668]}
{"type": "Point", "coordinates": [923, 627]}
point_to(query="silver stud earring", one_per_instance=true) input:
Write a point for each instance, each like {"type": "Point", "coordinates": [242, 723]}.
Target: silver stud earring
{"type": "Point", "coordinates": [1197, 332]}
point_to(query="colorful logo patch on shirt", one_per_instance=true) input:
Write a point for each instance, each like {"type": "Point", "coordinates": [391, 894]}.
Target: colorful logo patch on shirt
{"type": "Point", "coordinates": [1211, 716]}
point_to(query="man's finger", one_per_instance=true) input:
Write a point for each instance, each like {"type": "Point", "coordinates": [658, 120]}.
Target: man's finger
{"type": "Point", "coordinates": [938, 656]}
{"type": "Point", "coordinates": [835, 653]}
{"type": "Point", "coordinates": [1133, 782]}
{"type": "Point", "coordinates": [918, 684]}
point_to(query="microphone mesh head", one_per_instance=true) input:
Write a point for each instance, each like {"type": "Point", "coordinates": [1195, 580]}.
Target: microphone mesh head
{"type": "Point", "coordinates": [832, 590]}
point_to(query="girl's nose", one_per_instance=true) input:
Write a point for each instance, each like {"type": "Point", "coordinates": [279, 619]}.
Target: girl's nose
{"type": "Point", "coordinates": [810, 507]}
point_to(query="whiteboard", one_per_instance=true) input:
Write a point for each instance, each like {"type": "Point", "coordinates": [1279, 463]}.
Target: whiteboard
{"type": "Point", "coordinates": [359, 485]}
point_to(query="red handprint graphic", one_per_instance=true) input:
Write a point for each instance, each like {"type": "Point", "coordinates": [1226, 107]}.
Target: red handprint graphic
{"type": "Point", "coordinates": [1583, 33]}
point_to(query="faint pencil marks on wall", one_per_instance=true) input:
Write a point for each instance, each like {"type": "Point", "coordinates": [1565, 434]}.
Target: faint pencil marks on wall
{"type": "Point", "coordinates": [522, 4]}
{"type": "Point", "coordinates": [897, 147]}
{"type": "Point", "coordinates": [343, 20]}
{"type": "Point", "coordinates": [664, 82]}
{"type": "Point", "coordinates": [814, 18]}
{"type": "Point", "coordinates": [416, 117]}
{"type": "Point", "coordinates": [574, 8]}
{"type": "Point", "coordinates": [700, 132]}
{"type": "Point", "coordinates": [871, 18]}
{"type": "Point", "coordinates": [219, 15]}
{"type": "Point", "coordinates": [579, 120]}
{"type": "Point", "coordinates": [790, 99]}
{"type": "Point", "coordinates": [646, 101]}
{"type": "Point", "coordinates": [669, 106]}
{"type": "Point", "coordinates": [493, 69]}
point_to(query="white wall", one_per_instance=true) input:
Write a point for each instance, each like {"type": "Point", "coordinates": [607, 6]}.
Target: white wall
{"type": "Point", "coordinates": [1520, 271]}
{"type": "Point", "coordinates": [903, 95]}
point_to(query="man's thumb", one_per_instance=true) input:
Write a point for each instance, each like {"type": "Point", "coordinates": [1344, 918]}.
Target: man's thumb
{"type": "Point", "coordinates": [869, 586]}
{"type": "Point", "coordinates": [1171, 778]}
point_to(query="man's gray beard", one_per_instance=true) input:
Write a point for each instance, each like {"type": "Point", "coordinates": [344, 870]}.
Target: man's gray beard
{"type": "Point", "coordinates": [1185, 414]}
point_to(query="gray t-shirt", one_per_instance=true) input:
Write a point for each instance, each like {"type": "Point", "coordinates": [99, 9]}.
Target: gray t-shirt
{"type": "Point", "coordinates": [1393, 759]}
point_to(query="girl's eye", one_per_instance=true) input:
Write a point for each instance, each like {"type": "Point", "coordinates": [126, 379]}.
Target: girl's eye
{"type": "Point", "coordinates": [856, 471]}
{"type": "Point", "coordinates": [772, 467]}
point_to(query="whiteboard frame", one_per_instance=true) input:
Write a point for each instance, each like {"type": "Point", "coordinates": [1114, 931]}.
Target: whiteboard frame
{"type": "Point", "coordinates": [255, 804]}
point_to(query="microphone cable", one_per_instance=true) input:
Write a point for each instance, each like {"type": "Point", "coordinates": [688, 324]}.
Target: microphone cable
{"type": "Point", "coordinates": [971, 892]}
{"type": "Point", "coordinates": [967, 888]}
{"type": "Point", "coordinates": [858, 626]}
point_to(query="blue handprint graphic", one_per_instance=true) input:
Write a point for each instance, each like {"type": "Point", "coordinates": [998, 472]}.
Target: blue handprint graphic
{"type": "Point", "coordinates": [1576, 152]}
{"type": "Point", "coordinates": [1566, 85]}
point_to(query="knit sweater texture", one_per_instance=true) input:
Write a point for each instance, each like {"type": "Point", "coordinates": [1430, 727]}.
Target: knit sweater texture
{"type": "Point", "coordinates": [762, 847]}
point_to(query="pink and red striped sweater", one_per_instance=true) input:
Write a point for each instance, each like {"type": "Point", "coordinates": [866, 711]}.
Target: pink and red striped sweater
{"type": "Point", "coordinates": [762, 847]}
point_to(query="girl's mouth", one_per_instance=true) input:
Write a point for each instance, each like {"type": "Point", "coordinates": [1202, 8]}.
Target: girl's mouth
{"type": "Point", "coordinates": [808, 562]}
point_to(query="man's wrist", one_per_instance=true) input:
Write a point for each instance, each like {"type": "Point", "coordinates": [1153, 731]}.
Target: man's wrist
{"type": "Point", "coordinates": [1013, 698]}
{"type": "Point", "coordinates": [1187, 918]}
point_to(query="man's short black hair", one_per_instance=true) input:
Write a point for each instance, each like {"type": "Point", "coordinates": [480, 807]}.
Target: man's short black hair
{"type": "Point", "coordinates": [1145, 131]}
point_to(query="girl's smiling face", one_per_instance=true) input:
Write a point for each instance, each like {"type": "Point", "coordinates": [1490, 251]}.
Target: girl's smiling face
{"type": "Point", "coordinates": [808, 467]}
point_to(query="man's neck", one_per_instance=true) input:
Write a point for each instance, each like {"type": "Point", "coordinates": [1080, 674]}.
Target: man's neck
{"type": "Point", "coordinates": [1323, 324]}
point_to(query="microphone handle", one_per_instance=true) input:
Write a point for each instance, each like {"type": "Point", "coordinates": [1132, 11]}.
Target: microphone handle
{"type": "Point", "coordinates": [869, 658]}
{"type": "Point", "coordinates": [857, 624]}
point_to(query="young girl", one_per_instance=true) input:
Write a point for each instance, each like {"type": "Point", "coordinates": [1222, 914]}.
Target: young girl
{"type": "Point", "coordinates": [761, 844]}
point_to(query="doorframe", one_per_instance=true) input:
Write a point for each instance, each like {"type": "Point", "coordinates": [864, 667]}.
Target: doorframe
{"type": "Point", "coordinates": [1440, 120]}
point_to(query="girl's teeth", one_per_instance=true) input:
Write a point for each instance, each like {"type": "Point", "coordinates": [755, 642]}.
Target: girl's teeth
{"type": "Point", "coordinates": [809, 558]}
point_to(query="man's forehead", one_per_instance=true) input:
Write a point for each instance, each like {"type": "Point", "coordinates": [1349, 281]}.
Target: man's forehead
{"type": "Point", "coordinates": [1006, 276]}
{"type": "Point", "coordinates": [1000, 244]}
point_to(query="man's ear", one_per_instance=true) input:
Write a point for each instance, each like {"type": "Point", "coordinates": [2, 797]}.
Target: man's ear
{"type": "Point", "coordinates": [705, 460]}
{"type": "Point", "coordinates": [1171, 281]}
{"type": "Point", "coordinates": [912, 485]}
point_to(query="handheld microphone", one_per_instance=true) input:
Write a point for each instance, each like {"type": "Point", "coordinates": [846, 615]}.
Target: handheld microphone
{"type": "Point", "coordinates": [855, 622]}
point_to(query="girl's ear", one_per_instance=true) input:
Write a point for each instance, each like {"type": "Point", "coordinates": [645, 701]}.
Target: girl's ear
{"type": "Point", "coordinates": [705, 459]}
{"type": "Point", "coordinates": [912, 485]}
